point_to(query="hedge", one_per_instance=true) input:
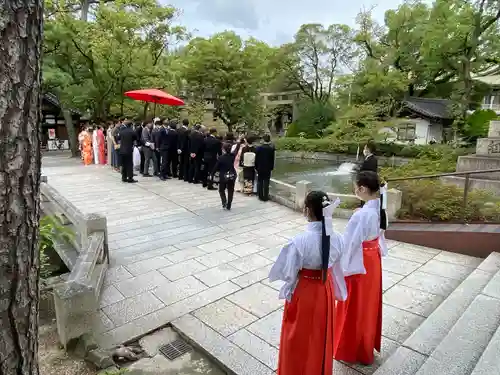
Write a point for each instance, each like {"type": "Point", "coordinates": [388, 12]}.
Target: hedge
{"type": "Point", "coordinates": [331, 146]}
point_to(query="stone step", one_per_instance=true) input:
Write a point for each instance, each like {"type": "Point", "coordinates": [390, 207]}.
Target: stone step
{"type": "Point", "coordinates": [489, 363]}
{"type": "Point", "coordinates": [408, 359]}
{"type": "Point", "coordinates": [461, 349]}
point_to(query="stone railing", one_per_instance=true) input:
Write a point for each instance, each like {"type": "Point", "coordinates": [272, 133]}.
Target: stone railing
{"type": "Point", "coordinates": [76, 299]}
{"type": "Point", "coordinates": [294, 197]}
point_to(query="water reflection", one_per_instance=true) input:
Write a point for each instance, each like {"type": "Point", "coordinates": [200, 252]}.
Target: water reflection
{"type": "Point", "coordinates": [324, 175]}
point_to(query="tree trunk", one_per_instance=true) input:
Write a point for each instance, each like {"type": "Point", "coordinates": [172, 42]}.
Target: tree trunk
{"type": "Point", "coordinates": [85, 10]}
{"type": "Point", "coordinates": [70, 127]}
{"type": "Point", "coordinates": [21, 25]}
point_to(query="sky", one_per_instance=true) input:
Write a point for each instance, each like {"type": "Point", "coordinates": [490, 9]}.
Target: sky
{"type": "Point", "coordinates": [273, 21]}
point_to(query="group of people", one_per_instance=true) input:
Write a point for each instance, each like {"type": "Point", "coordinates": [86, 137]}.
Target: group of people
{"type": "Point", "coordinates": [193, 154]}
{"type": "Point", "coordinates": [92, 144]}
{"type": "Point", "coordinates": [333, 281]}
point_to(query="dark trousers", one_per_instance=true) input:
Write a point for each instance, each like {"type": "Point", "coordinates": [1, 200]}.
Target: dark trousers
{"type": "Point", "coordinates": [208, 167]}
{"type": "Point", "coordinates": [229, 185]}
{"type": "Point", "coordinates": [183, 166]}
{"type": "Point", "coordinates": [158, 160]}
{"type": "Point", "coordinates": [263, 179]}
{"type": "Point", "coordinates": [150, 155]}
{"type": "Point", "coordinates": [118, 159]}
{"type": "Point", "coordinates": [127, 167]}
{"type": "Point", "coordinates": [173, 162]}
{"type": "Point", "coordinates": [194, 169]}
{"type": "Point", "coordinates": [164, 169]}
{"type": "Point", "coordinates": [141, 170]}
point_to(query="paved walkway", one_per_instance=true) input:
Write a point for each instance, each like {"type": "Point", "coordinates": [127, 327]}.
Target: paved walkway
{"type": "Point", "coordinates": [176, 256]}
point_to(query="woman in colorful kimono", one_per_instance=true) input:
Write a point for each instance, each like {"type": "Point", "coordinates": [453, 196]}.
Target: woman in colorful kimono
{"type": "Point", "coordinates": [101, 142]}
{"type": "Point", "coordinates": [87, 147]}
{"type": "Point", "coordinates": [358, 320]}
{"type": "Point", "coordinates": [310, 267]}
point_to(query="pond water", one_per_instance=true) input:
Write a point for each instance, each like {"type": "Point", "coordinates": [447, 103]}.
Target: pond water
{"type": "Point", "coordinates": [324, 175]}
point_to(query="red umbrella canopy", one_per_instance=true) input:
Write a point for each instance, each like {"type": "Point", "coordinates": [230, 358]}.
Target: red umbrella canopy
{"type": "Point", "coordinates": [154, 96]}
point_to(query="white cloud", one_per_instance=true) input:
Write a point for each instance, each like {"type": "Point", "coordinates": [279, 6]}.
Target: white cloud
{"type": "Point", "coordinates": [274, 21]}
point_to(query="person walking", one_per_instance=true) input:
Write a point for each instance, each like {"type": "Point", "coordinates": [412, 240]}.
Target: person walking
{"type": "Point", "coordinates": [211, 150]}
{"type": "Point", "coordinates": [155, 136]}
{"type": "Point", "coordinates": [264, 165]}
{"type": "Point", "coordinates": [310, 267]}
{"type": "Point", "coordinates": [247, 161]}
{"type": "Point", "coordinates": [127, 138]}
{"type": "Point", "coordinates": [196, 143]}
{"type": "Point", "coordinates": [227, 176]}
{"type": "Point", "coordinates": [148, 148]}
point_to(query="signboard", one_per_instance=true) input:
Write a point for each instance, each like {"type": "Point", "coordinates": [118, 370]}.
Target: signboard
{"type": "Point", "coordinates": [52, 133]}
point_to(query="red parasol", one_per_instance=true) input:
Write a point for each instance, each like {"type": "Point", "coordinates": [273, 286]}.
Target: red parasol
{"type": "Point", "coordinates": [154, 96]}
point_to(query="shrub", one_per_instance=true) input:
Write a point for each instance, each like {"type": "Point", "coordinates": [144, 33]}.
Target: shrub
{"type": "Point", "coordinates": [438, 201]}
{"type": "Point", "coordinates": [342, 147]}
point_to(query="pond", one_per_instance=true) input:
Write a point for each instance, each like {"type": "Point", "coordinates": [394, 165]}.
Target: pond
{"type": "Point", "coordinates": [324, 175]}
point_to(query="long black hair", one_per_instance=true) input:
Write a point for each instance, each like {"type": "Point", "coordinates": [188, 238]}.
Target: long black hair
{"type": "Point", "coordinates": [315, 201]}
{"type": "Point", "coordinates": [371, 181]}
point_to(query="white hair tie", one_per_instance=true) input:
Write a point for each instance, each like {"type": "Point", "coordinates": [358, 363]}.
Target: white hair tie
{"type": "Point", "coordinates": [383, 194]}
{"type": "Point", "coordinates": [328, 208]}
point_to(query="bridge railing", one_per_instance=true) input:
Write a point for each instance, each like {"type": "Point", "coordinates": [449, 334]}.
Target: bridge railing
{"type": "Point", "coordinates": [478, 201]}
{"type": "Point", "coordinates": [76, 299]}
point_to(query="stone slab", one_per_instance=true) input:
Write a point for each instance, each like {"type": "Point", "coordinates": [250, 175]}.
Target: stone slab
{"type": "Point", "coordinates": [131, 308]}
{"type": "Point", "coordinates": [398, 324]}
{"type": "Point", "coordinates": [462, 347]}
{"type": "Point", "coordinates": [226, 352]}
{"type": "Point", "coordinates": [216, 258]}
{"type": "Point", "coordinates": [252, 277]}
{"type": "Point", "coordinates": [412, 300]}
{"type": "Point", "coordinates": [258, 299]}
{"type": "Point", "coordinates": [268, 328]}
{"type": "Point", "coordinates": [491, 263]}
{"type": "Point", "coordinates": [460, 259]}
{"type": "Point", "coordinates": [256, 347]}
{"type": "Point", "coordinates": [224, 317]}
{"type": "Point", "coordinates": [218, 275]}
{"type": "Point", "coordinates": [453, 271]}
{"type": "Point", "coordinates": [428, 336]}
{"type": "Point", "coordinates": [399, 266]}
{"type": "Point", "coordinates": [403, 362]}
{"type": "Point", "coordinates": [492, 289]}
{"type": "Point", "coordinates": [430, 283]}
{"type": "Point", "coordinates": [489, 363]}
{"type": "Point", "coordinates": [178, 290]}
{"type": "Point", "coordinates": [142, 283]}
{"type": "Point", "coordinates": [414, 255]}
{"type": "Point", "coordinates": [182, 269]}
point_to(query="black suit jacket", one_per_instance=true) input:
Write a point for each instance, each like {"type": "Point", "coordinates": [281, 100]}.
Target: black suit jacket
{"type": "Point", "coordinates": [155, 137]}
{"type": "Point", "coordinates": [127, 137]}
{"type": "Point", "coordinates": [168, 139]}
{"type": "Point", "coordinates": [182, 139]}
{"type": "Point", "coordinates": [213, 147]}
{"type": "Point", "coordinates": [369, 164]}
{"type": "Point", "coordinates": [264, 158]}
{"type": "Point", "coordinates": [196, 143]}
{"type": "Point", "coordinates": [224, 164]}
{"type": "Point", "coordinates": [138, 133]}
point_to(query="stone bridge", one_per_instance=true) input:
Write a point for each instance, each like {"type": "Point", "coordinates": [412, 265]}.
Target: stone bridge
{"type": "Point", "coordinates": [178, 258]}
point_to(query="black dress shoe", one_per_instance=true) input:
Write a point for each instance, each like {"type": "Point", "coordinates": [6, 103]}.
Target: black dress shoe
{"type": "Point", "coordinates": [132, 181]}
{"type": "Point", "coordinates": [211, 188]}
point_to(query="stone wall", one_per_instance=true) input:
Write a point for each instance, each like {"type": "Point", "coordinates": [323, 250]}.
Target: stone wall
{"type": "Point", "coordinates": [339, 158]}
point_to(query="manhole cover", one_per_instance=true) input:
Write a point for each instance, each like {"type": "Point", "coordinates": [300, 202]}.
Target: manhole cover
{"type": "Point", "coordinates": [175, 349]}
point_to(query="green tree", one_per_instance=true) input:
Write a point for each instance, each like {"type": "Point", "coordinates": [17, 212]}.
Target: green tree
{"type": "Point", "coordinates": [231, 72]}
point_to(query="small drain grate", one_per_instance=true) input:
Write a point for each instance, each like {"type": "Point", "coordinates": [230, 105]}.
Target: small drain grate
{"type": "Point", "coordinates": [175, 349]}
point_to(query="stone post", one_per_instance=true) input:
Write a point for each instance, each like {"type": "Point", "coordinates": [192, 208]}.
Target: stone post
{"type": "Point", "coordinates": [302, 188]}
{"type": "Point", "coordinates": [76, 308]}
{"type": "Point", "coordinates": [394, 203]}
{"type": "Point", "coordinates": [93, 223]}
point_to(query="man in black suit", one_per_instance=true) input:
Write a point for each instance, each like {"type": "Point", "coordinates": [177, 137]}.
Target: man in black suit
{"type": "Point", "coordinates": [149, 146]}
{"type": "Point", "coordinates": [264, 165]}
{"type": "Point", "coordinates": [173, 157]}
{"type": "Point", "coordinates": [183, 150]}
{"type": "Point", "coordinates": [155, 135]}
{"type": "Point", "coordinates": [127, 137]}
{"type": "Point", "coordinates": [370, 162]}
{"type": "Point", "coordinates": [212, 149]}
{"type": "Point", "coordinates": [196, 143]}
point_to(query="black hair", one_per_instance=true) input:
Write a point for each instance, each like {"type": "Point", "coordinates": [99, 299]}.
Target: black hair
{"type": "Point", "coordinates": [229, 136]}
{"type": "Point", "coordinates": [314, 202]}
{"type": "Point", "coordinates": [266, 138]}
{"type": "Point", "coordinates": [371, 181]}
{"type": "Point", "coordinates": [226, 147]}
{"type": "Point", "coordinates": [370, 145]}
{"type": "Point", "coordinates": [185, 122]}
{"type": "Point", "coordinates": [213, 130]}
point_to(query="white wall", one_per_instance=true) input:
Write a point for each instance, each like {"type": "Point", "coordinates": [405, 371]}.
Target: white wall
{"type": "Point", "coordinates": [424, 131]}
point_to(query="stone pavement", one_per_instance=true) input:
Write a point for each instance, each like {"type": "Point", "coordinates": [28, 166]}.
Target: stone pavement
{"type": "Point", "coordinates": [177, 257]}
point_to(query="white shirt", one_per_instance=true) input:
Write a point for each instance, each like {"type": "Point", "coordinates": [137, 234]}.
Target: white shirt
{"type": "Point", "coordinates": [364, 225]}
{"type": "Point", "coordinates": [304, 251]}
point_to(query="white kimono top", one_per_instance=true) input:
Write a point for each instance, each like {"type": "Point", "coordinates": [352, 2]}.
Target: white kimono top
{"type": "Point", "coordinates": [304, 251]}
{"type": "Point", "coordinates": [364, 225]}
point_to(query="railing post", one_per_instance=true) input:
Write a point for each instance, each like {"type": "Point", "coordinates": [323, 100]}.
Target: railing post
{"type": "Point", "coordinates": [466, 193]}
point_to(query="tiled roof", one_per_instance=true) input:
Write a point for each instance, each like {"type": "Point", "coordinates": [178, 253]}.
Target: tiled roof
{"type": "Point", "coordinates": [435, 108]}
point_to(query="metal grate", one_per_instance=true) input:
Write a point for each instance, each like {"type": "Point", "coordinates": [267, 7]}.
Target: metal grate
{"type": "Point", "coordinates": [175, 349]}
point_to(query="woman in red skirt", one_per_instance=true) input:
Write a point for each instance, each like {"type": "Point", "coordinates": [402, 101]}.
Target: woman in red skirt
{"type": "Point", "coordinates": [358, 319]}
{"type": "Point", "coordinates": [310, 267]}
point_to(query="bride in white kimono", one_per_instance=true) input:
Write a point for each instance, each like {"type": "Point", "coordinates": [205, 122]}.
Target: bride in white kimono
{"type": "Point", "coordinates": [95, 146]}
{"type": "Point", "coordinates": [310, 267]}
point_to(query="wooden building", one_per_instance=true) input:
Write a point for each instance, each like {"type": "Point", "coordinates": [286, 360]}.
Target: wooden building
{"type": "Point", "coordinates": [54, 135]}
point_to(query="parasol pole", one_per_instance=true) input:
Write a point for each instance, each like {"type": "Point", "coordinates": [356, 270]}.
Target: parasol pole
{"type": "Point", "coordinates": [154, 110]}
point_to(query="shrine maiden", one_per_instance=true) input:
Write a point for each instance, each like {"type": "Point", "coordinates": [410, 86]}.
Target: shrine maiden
{"type": "Point", "coordinates": [358, 319]}
{"type": "Point", "coordinates": [310, 267]}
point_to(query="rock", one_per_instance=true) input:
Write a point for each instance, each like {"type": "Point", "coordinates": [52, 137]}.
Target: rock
{"type": "Point", "coordinates": [101, 358]}
{"type": "Point", "coordinates": [84, 345]}
{"type": "Point", "coordinates": [109, 371]}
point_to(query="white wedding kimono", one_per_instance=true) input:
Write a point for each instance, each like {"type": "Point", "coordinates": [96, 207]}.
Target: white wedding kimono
{"type": "Point", "coordinates": [95, 147]}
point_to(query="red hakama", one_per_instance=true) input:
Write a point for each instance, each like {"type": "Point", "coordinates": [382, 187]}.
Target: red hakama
{"type": "Point", "coordinates": [306, 345]}
{"type": "Point", "coordinates": [358, 320]}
